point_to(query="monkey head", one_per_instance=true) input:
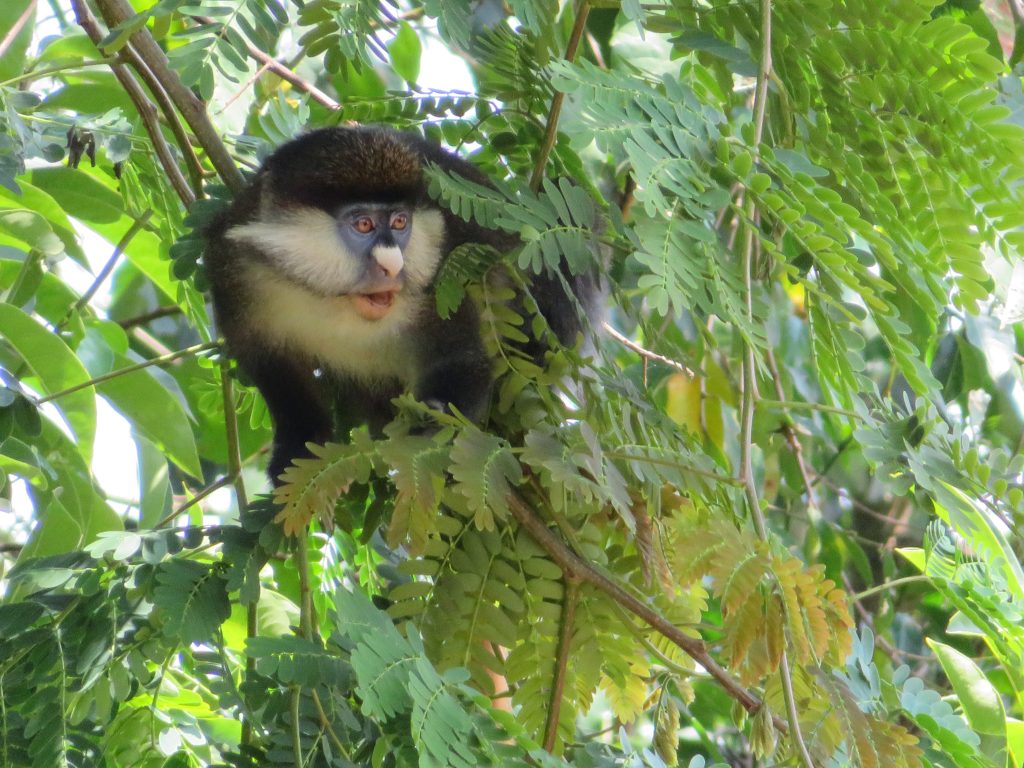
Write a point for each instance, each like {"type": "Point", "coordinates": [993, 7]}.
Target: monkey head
{"type": "Point", "coordinates": [348, 219]}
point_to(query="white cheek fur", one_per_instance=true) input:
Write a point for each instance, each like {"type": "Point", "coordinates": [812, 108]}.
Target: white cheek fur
{"type": "Point", "coordinates": [305, 246]}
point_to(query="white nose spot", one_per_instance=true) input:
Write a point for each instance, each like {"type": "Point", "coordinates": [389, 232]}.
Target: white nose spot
{"type": "Point", "coordinates": [390, 258]}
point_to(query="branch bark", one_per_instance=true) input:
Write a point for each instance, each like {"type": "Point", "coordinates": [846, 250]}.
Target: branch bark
{"type": "Point", "coordinates": [187, 103]}
{"type": "Point", "coordinates": [551, 129]}
{"type": "Point", "coordinates": [146, 109]}
{"type": "Point", "coordinates": [573, 566]}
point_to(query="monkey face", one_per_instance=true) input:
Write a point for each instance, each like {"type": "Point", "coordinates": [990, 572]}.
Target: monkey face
{"type": "Point", "coordinates": [376, 236]}
{"type": "Point", "coordinates": [370, 253]}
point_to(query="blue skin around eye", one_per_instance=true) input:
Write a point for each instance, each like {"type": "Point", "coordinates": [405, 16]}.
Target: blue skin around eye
{"type": "Point", "coordinates": [363, 243]}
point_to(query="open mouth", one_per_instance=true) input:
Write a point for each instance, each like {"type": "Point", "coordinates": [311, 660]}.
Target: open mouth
{"type": "Point", "coordinates": [374, 306]}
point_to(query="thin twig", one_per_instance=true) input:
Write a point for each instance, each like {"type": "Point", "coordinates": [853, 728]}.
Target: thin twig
{"type": "Point", "coordinates": [799, 405]}
{"type": "Point", "coordinates": [675, 464]}
{"type": "Point", "coordinates": [296, 727]}
{"type": "Point", "coordinates": [216, 485]}
{"type": "Point", "coordinates": [147, 317]}
{"type": "Point", "coordinates": [572, 564]}
{"type": "Point", "coordinates": [551, 129]}
{"type": "Point", "coordinates": [749, 370]}
{"type": "Point", "coordinates": [282, 71]}
{"type": "Point", "coordinates": [36, 74]}
{"type": "Point", "coordinates": [146, 109]}
{"type": "Point", "coordinates": [567, 623]}
{"type": "Point", "coordinates": [13, 32]}
{"type": "Point", "coordinates": [162, 360]}
{"type": "Point", "coordinates": [188, 104]}
{"type": "Point", "coordinates": [645, 353]}
{"type": "Point", "coordinates": [305, 593]}
{"type": "Point", "coordinates": [227, 392]}
{"type": "Point", "coordinates": [791, 438]}
{"type": "Point", "coordinates": [192, 164]}
{"type": "Point", "coordinates": [1017, 11]}
{"type": "Point", "coordinates": [104, 273]}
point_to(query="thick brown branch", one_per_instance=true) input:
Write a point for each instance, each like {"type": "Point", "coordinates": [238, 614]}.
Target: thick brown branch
{"type": "Point", "coordinates": [574, 566]}
{"type": "Point", "coordinates": [192, 163]}
{"type": "Point", "coordinates": [146, 109]}
{"type": "Point", "coordinates": [188, 104]}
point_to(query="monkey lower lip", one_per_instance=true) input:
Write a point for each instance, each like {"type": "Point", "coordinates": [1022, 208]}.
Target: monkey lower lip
{"type": "Point", "coordinates": [373, 306]}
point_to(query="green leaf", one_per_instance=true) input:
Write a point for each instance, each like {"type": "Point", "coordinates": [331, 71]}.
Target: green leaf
{"type": "Point", "coordinates": [193, 599]}
{"type": "Point", "coordinates": [20, 226]}
{"type": "Point", "coordinates": [484, 470]}
{"type": "Point", "coordinates": [57, 369]}
{"type": "Point", "coordinates": [405, 51]}
{"type": "Point", "coordinates": [158, 414]}
{"type": "Point", "coordinates": [22, 12]}
{"type": "Point", "coordinates": [83, 196]}
{"type": "Point", "coordinates": [43, 204]}
{"type": "Point", "coordinates": [979, 698]}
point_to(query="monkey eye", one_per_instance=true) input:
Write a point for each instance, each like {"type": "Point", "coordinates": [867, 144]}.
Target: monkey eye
{"type": "Point", "coordinates": [363, 225]}
{"type": "Point", "coordinates": [400, 221]}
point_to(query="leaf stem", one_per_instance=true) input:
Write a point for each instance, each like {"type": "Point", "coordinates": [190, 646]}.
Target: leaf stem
{"type": "Point", "coordinates": [162, 360]}
{"type": "Point", "coordinates": [645, 353]}
{"type": "Point", "coordinates": [57, 69]}
{"type": "Point", "coordinates": [748, 374]}
{"type": "Point", "coordinates": [551, 128]}
{"type": "Point", "coordinates": [567, 623]}
{"type": "Point", "coordinates": [675, 464]}
{"type": "Point", "coordinates": [890, 584]}
{"type": "Point", "coordinates": [799, 405]}
{"type": "Point", "coordinates": [104, 273]}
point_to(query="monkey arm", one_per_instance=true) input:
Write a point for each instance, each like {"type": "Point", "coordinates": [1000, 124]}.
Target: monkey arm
{"type": "Point", "coordinates": [296, 403]}
{"type": "Point", "coordinates": [453, 368]}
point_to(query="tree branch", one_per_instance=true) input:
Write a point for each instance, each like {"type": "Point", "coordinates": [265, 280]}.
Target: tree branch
{"type": "Point", "coordinates": [576, 567]}
{"type": "Point", "coordinates": [13, 32]}
{"type": "Point", "coordinates": [104, 273]}
{"type": "Point", "coordinates": [163, 359]}
{"type": "Point", "coordinates": [551, 129]}
{"type": "Point", "coordinates": [146, 109]}
{"type": "Point", "coordinates": [279, 69]}
{"type": "Point", "coordinates": [187, 103]}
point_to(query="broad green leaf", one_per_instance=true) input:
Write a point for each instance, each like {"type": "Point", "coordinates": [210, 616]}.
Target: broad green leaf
{"type": "Point", "coordinates": [154, 484]}
{"type": "Point", "coordinates": [152, 409]}
{"type": "Point", "coordinates": [914, 555]}
{"type": "Point", "coordinates": [979, 698]}
{"type": "Point", "coordinates": [40, 202]}
{"type": "Point", "coordinates": [22, 227]}
{"type": "Point", "coordinates": [57, 369]}
{"type": "Point", "coordinates": [82, 510]}
{"type": "Point", "coordinates": [405, 51]}
{"type": "Point", "coordinates": [83, 196]}
{"type": "Point", "coordinates": [57, 531]}
{"type": "Point", "coordinates": [22, 12]}
{"type": "Point", "coordinates": [985, 534]}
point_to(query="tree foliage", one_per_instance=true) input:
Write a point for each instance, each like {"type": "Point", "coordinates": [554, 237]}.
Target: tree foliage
{"type": "Point", "coordinates": [771, 513]}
